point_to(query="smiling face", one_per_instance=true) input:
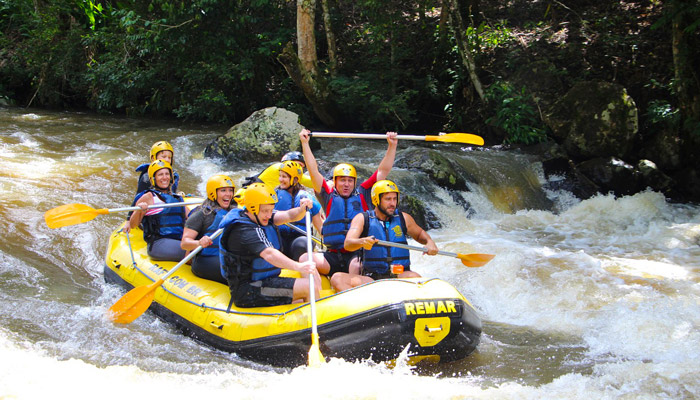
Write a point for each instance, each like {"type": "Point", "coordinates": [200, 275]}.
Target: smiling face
{"type": "Point", "coordinates": [284, 180]}
{"type": "Point", "coordinates": [345, 185]}
{"type": "Point", "coordinates": [224, 196]}
{"type": "Point", "coordinates": [162, 178]}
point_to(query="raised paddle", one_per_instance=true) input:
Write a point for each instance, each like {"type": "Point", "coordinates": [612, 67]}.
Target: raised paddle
{"type": "Point", "coordinates": [137, 300]}
{"type": "Point", "coordinates": [73, 214]}
{"type": "Point", "coordinates": [470, 260]}
{"type": "Point", "coordinates": [466, 138]}
{"type": "Point", "coordinates": [315, 356]}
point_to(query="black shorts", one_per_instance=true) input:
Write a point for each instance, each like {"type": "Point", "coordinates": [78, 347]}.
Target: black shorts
{"type": "Point", "coordinates": [339, 262]}
{"type": "Point", "coordinates": [272, 291]}
{"type": "Point", "coordinates": [377, 276]}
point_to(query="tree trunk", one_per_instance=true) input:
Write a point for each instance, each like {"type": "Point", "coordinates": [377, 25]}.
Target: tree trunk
{"type": "Point", "coordinates": [302, 66]}
{"type": "Point", "coordinates": [686, 47]}
{"type": "Point", "coordinates": [330, 38]}
{"type": "Point", "coordinates": [464, 51]}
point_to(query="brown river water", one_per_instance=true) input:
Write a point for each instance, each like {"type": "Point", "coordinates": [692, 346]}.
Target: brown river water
{"type": "Point", "coordinates": [597, 299]}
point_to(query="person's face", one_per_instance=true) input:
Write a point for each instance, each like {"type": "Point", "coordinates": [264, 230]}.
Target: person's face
{"type": "Point", "coordinates": [162, 178]}
{"type": "Point", "coordinates": [165, 155]}
{"type": "Point", "coordinates": [224, 197]}
{"type": "Point", "coordinates": [388, 203]}
{"type": "Point", "coordinates": [345, 185]}
{"type": "Point", "coordinates": [284, 180]}
{"type": "Point", "coordinates": [265, 213]}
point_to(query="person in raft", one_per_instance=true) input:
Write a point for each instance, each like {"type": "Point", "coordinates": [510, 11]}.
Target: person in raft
{"type": "Point", "coordinates": [202, 222]}
{"type": "Point", "coordinates": [385, 223]}
{"type": "Point", "coordinates": [341, 203]}
{"type": "Point", "coordinates": [251, 259]}
{"type": "Point", "coordinates": [160, 150]}
{"type": "Point", "coordinates": [289, 195]}
{"type": "Point", "coordinates": [162, 227]}
{"type": "Point", "coordinates": [270, 174]}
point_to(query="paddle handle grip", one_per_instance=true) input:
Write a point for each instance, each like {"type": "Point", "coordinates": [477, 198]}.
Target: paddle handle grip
{"type": "Point", "coordinates": [191, 255]}
{"type": "Point", "coordinates": [363, 135]}
{"type": "Point", "coordinates": [164, 205]}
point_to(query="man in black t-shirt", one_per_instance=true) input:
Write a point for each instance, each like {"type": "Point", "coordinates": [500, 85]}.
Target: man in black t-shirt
{"type": "Point", "coordinates": [251, 252]}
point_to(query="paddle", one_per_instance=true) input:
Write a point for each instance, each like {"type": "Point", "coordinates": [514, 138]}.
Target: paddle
{"type": "Point", "coordinates": [466, 138]}
{"type": "Point", "coordinates": [470, 260]}
{"type": "Point", "coordinates": [315, 356]}
{"type": "Point", "coordinates": [137, 300]}
{"type": "Point", "coordinates": [73, 214]}
{"type": "Point", "coordinates": [296, 228]}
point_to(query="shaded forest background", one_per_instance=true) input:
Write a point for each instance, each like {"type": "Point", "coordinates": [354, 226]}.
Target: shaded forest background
{"type": "Point", "coordinates": [411, 66]}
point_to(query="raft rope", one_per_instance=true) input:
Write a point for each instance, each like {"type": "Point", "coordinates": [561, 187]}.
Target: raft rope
{"type": "Point", "coordinates": [280, 314]}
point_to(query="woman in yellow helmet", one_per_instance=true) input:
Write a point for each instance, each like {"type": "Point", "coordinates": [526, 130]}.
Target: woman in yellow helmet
{"type": "Point", "coordinates": [160, 150]}
{"type": "Point", "coordinates": [289, 195]}
{"type": "Point", "coordinates": [201, 224]}
{"type": "Point", "coordinates": [162, 227]}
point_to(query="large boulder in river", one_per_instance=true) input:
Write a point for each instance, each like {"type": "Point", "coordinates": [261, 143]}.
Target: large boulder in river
{"type": "Point", "coordinates": [594, 119]}
{"type": "Point", "coordinates": [266, 135]}
{"type": "Point", "coordinates": [438, 167]}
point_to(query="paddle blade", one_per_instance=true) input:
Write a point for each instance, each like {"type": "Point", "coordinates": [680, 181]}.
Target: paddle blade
{"type": "Point", "coordinates": [133, 304]}
{"type": "Point", "coordinates": [70, 214]}
{"type": "Point", "coordinates": [466, 138]}
{"type": "Point", "coordinates": [315, 357]}
{"type": "Point", "coordinates": [475, 260]}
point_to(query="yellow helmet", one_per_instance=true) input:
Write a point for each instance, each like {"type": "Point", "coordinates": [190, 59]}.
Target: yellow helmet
{"type": "Point", "coordinates": [344, 170]}
{"type": "Point", "coordinates": [160, 146]}
{"type": "Point", "coordinates": [293, 169]}
{"type": "Point", "coordinates": [381, 187]}
{"type": "Point", "coordinates": [239, 197]}
{"type": "Point", "coordinates": [157, 166]}
{"type": "Point", "coordinates": [217, 182]}
{"type": "Point", "coordinates": [258, 194]}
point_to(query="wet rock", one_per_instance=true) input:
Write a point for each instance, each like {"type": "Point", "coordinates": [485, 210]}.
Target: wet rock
{"type": "Point", "coordinates": [440, 169]}
{"type": "Point", "coordinates": [594, 119]}
{"type": "Point", "coordinates": [425, 218]}
{"type": "Point", "coordinates": [652, 177]}
{"type": "Point", "coordinates": [264, 136]}
{"type": "Point", "coordinates": [612, 174]}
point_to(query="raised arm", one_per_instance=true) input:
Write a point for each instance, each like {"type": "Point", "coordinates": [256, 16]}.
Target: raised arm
{"type": "Point", "coordinates": [310, 160]}
{"type": "Point", "coordinates": [388, 160]}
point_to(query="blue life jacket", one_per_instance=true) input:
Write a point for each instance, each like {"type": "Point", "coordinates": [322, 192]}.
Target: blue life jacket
{"type": "Point", "coordinates": [246, 268]}
{"type": "Point", "coordinates": [168, 223]}
{"type": "Point", "coordinates": [286, 202]}
{"type": "Point", "coordinates": [380, 258]}
{"type": "Point", "coordinates": [339, 213]}
{"type": "Point", "coordinates": [213, 249]}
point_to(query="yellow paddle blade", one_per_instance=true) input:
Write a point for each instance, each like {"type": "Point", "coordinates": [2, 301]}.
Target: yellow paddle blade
{"type": "Point", "coordinates": [71, 214]}
{"type": "Point", "coordinates": [467, 138]}
{"type": "Point", "coordinates": [315, 356]}
{"type": "Point", "coordinates": [133, 304]}
{"type": "Point", "coordinates": [475, 260]}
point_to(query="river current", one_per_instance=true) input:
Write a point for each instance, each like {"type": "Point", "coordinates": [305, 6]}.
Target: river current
{"type": "Point", "coordinates": [586, 299]}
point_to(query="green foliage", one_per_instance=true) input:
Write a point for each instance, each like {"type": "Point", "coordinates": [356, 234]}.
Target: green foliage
{"type": "Point", "coordinates": [487, 36]}
{"type": "Point", "coordinates": [515, 114]}
{"type": "Point", "coordinates": [661, 112]}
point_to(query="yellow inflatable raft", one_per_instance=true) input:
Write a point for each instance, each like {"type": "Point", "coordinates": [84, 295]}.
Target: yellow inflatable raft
{"type": "Point", "coordinates": [377, 320]}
